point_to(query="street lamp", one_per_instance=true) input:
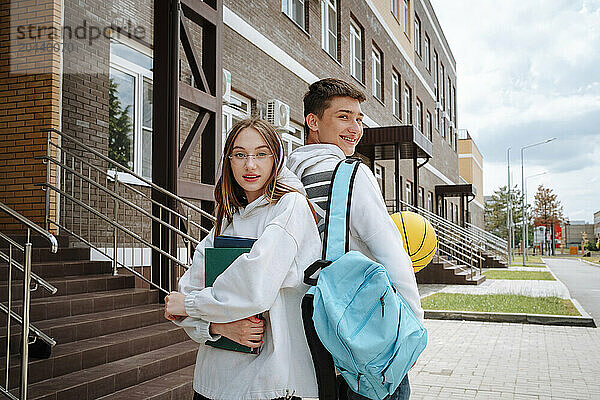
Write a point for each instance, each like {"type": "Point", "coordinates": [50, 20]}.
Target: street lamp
{"type": "Point", "coordinates": [525, 220]}
{"type": "Point", "coordinates": [508, 208]}
{"type": "Point", "coordinates": [524, 240]}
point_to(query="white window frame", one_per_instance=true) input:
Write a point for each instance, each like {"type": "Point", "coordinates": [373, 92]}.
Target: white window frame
{"type": "Point", "coordinates": [327, 7]}
{"type": "Point", "coordinates": [289, 139]}
{"type": "Point", "coordinates": [379, 176]}
{"type": "Point", "coordinates": [436, 76]}
{"type": "Point", "coordinates": [140, 75]}
{"type": "Point", "coordinates": [396, 104]}
{"type": "Point", "coordinates": [427, 52]}
{"type": "Point", "coordinates": [407, 117]}
{"type": "Point", "coordinates": [287, 7]}
{"type": "Point", "coordinates": [430, 201]}
{"type": "Point", "coordinates": [409, 193]}
{"type": "Point", "coordinates": [419, 115]}
{"type": "Point", "coordinates": [231, 110]}
{"type": "Point", "coordinates": [417, 36]}
{"type": "Point", "coordinates": [421, 201]}
{"type": "Point", "coordinates": [355, 49]}
{"type": "Point", "coordinates": [428, 126]}
{"type": "Point", "coordinates": [376, 69]}
{"type": "Point", "coordinates": [406, 12]}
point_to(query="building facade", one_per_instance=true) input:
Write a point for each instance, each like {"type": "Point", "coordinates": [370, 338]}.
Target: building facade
{"type": "Point", "coordinates": [470, 163]}
{"type": "Point", "coordinates": [96, 85]}
{"type": "Point", "coordinates": [597, 224]}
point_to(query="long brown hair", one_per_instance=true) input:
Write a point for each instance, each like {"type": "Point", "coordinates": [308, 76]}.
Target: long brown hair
{"type": "Point", "coordinates": [229, 195]}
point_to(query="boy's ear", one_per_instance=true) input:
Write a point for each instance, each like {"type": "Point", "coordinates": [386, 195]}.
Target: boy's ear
{"type": "Point", "coordinates": [312, 121]}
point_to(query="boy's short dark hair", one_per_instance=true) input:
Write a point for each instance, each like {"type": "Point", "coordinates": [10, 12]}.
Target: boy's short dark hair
{"type": "Point", "coordinates": [320, 93]}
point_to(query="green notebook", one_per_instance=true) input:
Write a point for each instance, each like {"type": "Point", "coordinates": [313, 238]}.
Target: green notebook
{"type": "Point", "coordinates": [216, 261]}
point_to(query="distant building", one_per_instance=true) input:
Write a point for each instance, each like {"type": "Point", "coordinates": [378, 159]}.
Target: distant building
{"type": "Point", "coordinates": [575, 231]}
{"type": "Point", "coordinates": [470, 168]}
{"type": "Point", "coordinates": [597, 224]}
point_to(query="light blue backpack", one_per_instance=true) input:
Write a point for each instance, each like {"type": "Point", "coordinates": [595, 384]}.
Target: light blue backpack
{"type": "Point", "coordinates": [368, 329]}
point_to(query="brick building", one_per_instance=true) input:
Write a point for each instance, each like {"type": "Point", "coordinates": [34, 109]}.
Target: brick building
{"type": "Point", "coordinates": [395, 52]}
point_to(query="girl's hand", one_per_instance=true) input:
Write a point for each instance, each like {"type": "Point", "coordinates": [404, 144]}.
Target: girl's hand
{"type": "Point", "coordinates": [247, 332]}
{"type": "Point", "coordinates": [175, 306]}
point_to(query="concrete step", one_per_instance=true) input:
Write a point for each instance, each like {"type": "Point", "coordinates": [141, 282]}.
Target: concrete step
{"type": "Point", "coordinates": [79, 327]}
{"type": "Point", "coordinates": [76, 356]}
{"type": "Point", "coordinates": [54, 269]}
{"type": "Point", "coordinates": [68, 285]}
{"type": "Point", "coordinates": [104, 379]}
{"type": "Point", "coordinates": [173, 386]}
{"type": "Point", "coordinates": [84, 303]}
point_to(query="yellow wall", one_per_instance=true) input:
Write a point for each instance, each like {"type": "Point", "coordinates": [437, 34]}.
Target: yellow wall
{"type": "Point", "coordinates": [397, 27]}
{"type": "Point", "coordinates": [469, 170]}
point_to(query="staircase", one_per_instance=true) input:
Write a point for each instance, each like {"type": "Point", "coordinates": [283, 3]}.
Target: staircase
{"type": "Point", "coordinates": [113, 341]}
{"type": "Point", "coordinates": [442, 271]}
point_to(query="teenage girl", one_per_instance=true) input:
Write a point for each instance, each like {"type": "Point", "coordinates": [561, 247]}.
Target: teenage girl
{"type": "Point", "coordinates": [256, 197]}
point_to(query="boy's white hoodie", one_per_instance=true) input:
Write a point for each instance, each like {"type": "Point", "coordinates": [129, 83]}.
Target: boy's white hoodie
{"type": "Point", "coordinates": [372, 231]}
{"type": "Point", "coordinates": [266, 280]}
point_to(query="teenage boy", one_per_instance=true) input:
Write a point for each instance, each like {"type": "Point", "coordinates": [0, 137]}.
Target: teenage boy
{"type": "Point", "coordinates": [333, 127]}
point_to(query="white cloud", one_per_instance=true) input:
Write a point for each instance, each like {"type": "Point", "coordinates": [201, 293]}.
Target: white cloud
{"type": "Point", "coordinates": [528, 70]}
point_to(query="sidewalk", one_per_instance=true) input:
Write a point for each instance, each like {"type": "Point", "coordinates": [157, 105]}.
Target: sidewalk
{"type": "Point", "coordinates": [482, 360]}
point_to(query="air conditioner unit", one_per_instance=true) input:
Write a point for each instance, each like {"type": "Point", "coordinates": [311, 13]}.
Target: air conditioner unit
{"type": "Point", "coordinates": [451, 124]}
{"type": "Point", "coordinates": [278, 114]}
{"type": "Point", "coordinates": [226, 86]}
{"type": "Point", "coordinates": [438, 105]}
{"type": "Point", "coordinates": [445, 114]}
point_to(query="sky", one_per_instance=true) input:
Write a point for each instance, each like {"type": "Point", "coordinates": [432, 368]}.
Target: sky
{"type": "Point", "coordinates": [529, 70]}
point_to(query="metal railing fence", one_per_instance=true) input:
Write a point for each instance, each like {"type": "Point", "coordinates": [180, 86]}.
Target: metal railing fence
{"type": "Point", "coordinates": [110, 208]}
{"type": "Point", "coordinates": [455, 244]}
{"type": "Point", "coordinates": [29, 332]}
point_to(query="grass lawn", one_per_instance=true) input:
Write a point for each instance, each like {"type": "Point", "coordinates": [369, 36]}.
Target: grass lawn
{"type": "Point", "coordinates": [528, 265]}
{"type": "Point", "coordinates": [520, 275]}
{"type": "Point", "coordinates": [530, 259]}
{"type": "Point", "coordinates": [508, 303]}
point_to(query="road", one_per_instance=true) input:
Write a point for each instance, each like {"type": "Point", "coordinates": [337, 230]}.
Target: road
{"type": "Point", "coordinates": [582, 280]}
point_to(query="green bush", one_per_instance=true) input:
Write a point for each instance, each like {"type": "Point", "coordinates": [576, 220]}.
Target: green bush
{"type": "Point", "coordinates": [591, 246]}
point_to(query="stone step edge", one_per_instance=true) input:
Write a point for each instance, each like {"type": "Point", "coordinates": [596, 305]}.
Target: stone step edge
{"type": "Point", "coordinates": [182, 377]}
{"type": "Point", "coordinates": [521, 318]}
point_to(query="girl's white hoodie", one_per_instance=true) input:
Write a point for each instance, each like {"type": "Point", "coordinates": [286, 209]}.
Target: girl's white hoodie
{"type": "Point", "coordinates": [266, 280]}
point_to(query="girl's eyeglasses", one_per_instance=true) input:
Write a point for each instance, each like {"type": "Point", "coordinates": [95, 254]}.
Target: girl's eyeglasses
{"type": "Point", "coordinates": [243, 157]}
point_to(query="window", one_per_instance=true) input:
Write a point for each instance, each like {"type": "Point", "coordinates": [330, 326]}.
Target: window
{"type": "Point", "coordinates": [409, 194]}
{"type": "Point", "coordinates": [443, 86]}
{"type": "Point", "coordinates": [296, 10]}
{"type": "Point", "coordinates": [421, 197]}
{"type": "Point", "coordinates": [430, 201]}
{"type": "Point", "coordinates": [453, 99]}
{"type": "Point", "coordinates": [444, 125]}
{"type": "Point", "coordinates": [395, 8]}
{"type": "Point", "coordinates": [379, 177]}
{"type": "Point", "coordinates": [292, 139]}
{"type": "Point", "coordinates": [436, 76]}
{"type": "Point", "coordinates": [396, 93]}
{"type": "Point", "coordinates": [407, 105]}
{"type": "Point", "coordinates": [130, 108]}
{"type": "Point", "coordinates": [437, 118]}
{"type": "Point", "coordinates": [448, 97]}
{"type": "Point", "coordinates": [376, 68]}
{"type": "Point", "coordinates": [427, 53]}
{"type": "Point", "coordinates": [417, 38]}
{"type": "Point", "coordinates": [236, 110]}
{"type": "Point", "coordinates": [419, 115]}
{"type": "Point", "coordinates": [428, 127]}
{"type": "Point", "coordinates": [329, 27]}
{"type": "Point", "coordinates": [356, 57]}
{"type": "Point", "coordinates": [406, 9]}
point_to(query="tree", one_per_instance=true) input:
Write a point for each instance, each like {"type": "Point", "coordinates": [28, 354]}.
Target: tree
{"type": "Point", "coordinates": [120, 128]}
{"type": "Point", "coordinates": [547, 210]}
{"type": "Point", "coordinates": [495, 212]}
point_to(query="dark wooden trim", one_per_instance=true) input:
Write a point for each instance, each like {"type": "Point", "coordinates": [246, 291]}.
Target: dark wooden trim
{"type": "Point", "coordinates": [192, 139]}
{"type": "Point", "coordinates": [200, 12]}
{"type": "Point", "coordinates": [196, 99]}
{"type": "Point", "coordinates": [195, 190]}
{"type": "Point", "coordinates": [191, 56]}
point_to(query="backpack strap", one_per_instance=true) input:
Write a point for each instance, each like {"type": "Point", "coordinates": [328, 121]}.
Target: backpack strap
{"type": "Point", "coordinates": [338, 210]}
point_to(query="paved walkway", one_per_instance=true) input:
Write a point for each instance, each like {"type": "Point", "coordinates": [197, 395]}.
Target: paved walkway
{"type": "Point", "coordinates": [482, 360]}
{"type": "Point", "coordinates": [502, 286]}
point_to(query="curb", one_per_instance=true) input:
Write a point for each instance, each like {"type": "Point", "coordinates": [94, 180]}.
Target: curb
{"type": "Point", "coordinates": [589, 262]}
{"type": "Point", "coordinates": [538, 319]}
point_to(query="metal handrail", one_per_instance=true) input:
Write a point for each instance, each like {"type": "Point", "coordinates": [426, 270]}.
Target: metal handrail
{"type": "Point", "coordinates": [487, 234]}
{"type": "Point", "coordinates": [25, 221]}
{"type": "Point", "coordinates": [127, 170]}
{"type": "Point", "coordinates": [26, 302]}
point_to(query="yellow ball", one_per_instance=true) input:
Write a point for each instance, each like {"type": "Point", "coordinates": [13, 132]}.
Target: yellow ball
{"type": "Point", "coordinates": [418, 237]}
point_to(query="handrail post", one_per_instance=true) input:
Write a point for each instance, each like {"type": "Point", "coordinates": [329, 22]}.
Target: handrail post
{"type": "Point", "coordinates": [189, 242]}
{"type": "Point", "coordinates": [9, 304]}
{"type": "Point", "coordinates": [115, 230]}
{"type": "Point", "coordinates": [45, 188]}
{"type": "Point", "coordinates": [25, 329]}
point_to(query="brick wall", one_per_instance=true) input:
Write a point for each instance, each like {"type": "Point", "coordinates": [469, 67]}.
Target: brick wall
{"type": "Point", "coordinates": [29, 103]}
